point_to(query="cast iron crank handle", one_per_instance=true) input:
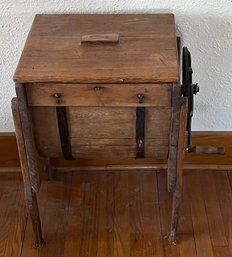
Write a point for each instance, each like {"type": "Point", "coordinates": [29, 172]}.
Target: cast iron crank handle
{"type": "Point", "coordinates": [207, 150]}
{"type": "Point", "coordinates": [188, 89]}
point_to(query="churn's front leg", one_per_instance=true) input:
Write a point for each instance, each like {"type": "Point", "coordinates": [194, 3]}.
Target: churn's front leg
{"type": "Point", "coordinates": [30, 195]}
{"type": "Point", "coordinates": [30, 164]}
{"type": "Point", "coordinates": [177, 194]}
{"type": "Point", "coordinates": [35, 218]}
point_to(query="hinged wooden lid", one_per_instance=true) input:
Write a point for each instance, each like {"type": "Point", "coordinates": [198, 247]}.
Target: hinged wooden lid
{"type": "Point", "coordinates": [100, 48]}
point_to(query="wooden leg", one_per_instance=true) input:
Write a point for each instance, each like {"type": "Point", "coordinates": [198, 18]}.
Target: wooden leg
{"type": "Point", "coordinates": [35, 218]}
{"type": "Point", "coordinates": [173, 140]}
{"type": "Point", "coordinates": [177, 194]}
{"type": "Point", "coordinates": [24, 155]}
{"type": "Point", "coordinates": [49, 170]}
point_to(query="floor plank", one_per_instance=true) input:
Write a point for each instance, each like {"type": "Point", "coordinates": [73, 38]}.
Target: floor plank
{"type": "Point", "coordinates": [186, 245]}
{"type": "Point", "coordinates": [105, 241]}
{"type": "Point", "coordinates": [213, 211]}
{"type": "Point", "coordinates": [224, 191]}
{"type": "Point", "coordinates": [199, 217]}
{"type": "Point", "coordinates": [112, 214]}
{"type": "Point", "coordinates": [55, 216]}
{"type": "Point", "coordinates": [121, 231]}
{"type": "Point", "coordinates": [88, 230]}
{"type": "Point", "coordinates": [146, 238]}
{"type": "Point", "coordinates": [221, 251]}
{"type": "Point", "coordinates": [12, 214]}
{"type": "Point", "coordinates": [75, 221]}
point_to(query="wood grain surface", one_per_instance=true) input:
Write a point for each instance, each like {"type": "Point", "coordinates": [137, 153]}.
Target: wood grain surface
{"type": "Point", "coordinates": [102, 132]}
{"type": "Point", "coordinates": [147, 49]}
{"type": "Point", "coordinates": [119, 214]}
{"type": "Point", "coordinates": [114, 95]}
{"type": "Point", "coordinates": [13, 214]}
{"type": "Point", "coordinates": [100, 38]}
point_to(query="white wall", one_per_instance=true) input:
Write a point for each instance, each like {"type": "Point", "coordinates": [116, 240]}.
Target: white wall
{"type": "Point", "coordinates": [205, 25]}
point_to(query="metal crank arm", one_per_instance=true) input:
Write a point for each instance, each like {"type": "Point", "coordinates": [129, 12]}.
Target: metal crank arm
{"type": "Point", "coordinates": [189, 89]}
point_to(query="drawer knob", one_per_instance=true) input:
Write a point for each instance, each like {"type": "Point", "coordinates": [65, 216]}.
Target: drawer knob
{"type": "Point", "coordinates": [140, 97]}
{"type": "Point", "coordinates": [57, 96]}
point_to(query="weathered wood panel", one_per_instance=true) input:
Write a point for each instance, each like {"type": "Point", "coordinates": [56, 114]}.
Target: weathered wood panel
{"type": "Point", "coordinates": [146, 52]}
{"type": "Point", "coordinates": [117, 122]}
{"type": "Point", "coordinates": [94, 131]}
{"type": "Point", "coordinates": [116, 148]}
{"type": "Point", "coordinates": [123, 95]}
{"type": "Point", "coordinates": [46, 131]}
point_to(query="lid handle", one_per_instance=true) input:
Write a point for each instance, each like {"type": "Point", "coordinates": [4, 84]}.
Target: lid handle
{"type": "Point", "coordinates": [112, 38]}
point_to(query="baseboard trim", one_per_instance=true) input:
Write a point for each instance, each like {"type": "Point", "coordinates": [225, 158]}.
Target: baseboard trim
{"type": "Point", "coordinates": [9, 156]}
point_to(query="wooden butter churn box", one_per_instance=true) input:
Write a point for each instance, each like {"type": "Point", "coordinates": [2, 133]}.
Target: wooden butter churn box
{"type": "Point", "coordinates": [102, 86]}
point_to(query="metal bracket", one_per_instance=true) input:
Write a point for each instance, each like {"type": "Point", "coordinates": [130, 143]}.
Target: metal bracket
{"type": "Point", "coordinates": [64, 132]}
{"type": "Point", "coordinates": [140, 131]}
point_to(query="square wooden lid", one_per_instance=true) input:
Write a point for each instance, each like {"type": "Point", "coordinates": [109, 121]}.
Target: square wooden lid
{"type": "Point", "coordinates": [114, 49]}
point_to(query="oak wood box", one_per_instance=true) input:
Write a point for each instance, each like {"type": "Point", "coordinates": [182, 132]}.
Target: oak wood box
{"type": "Point", "coordinates": [98, 86]}
{"type": "Point", "coordinates": [100, 82]}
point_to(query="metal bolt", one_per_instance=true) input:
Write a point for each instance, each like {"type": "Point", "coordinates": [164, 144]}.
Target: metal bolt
{"type": "Point", "coordinates": [140, 143]}
{"type": "Point", "coordinates": [195, 89]}
{"type": "Point", "coordinates": [57, 96]}
{"type": "Point", "coordinates": [140, 97]}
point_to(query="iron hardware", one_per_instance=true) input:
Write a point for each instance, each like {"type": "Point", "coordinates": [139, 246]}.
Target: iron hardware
{"type": "Point", "coordinates": [62, 120]}
{"type": "Point", "coordinates": [57, 96]}
{"type": "Point", "coordinates": [189, 89]}
{"type": "Point", "coordinates": [140, 131]}
{"type": "Point", "coordinates": [140, 97]}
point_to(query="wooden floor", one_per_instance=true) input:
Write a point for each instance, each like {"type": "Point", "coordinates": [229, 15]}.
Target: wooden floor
{"type": "Point", "coordinates": [99, 214]}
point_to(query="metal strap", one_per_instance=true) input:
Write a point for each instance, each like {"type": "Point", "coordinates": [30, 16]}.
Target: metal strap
{"type": "Point", "coordinates": [64, 132]}
{"type": "Point", "coordinates": [140, 131]}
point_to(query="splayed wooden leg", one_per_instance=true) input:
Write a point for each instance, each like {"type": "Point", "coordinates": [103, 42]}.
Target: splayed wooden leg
{"type": "Point", "coordinates": [177, 194]}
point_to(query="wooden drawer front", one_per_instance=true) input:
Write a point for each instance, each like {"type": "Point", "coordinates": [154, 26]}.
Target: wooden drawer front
{"type": "Point", "coordinates": [99, 95]}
